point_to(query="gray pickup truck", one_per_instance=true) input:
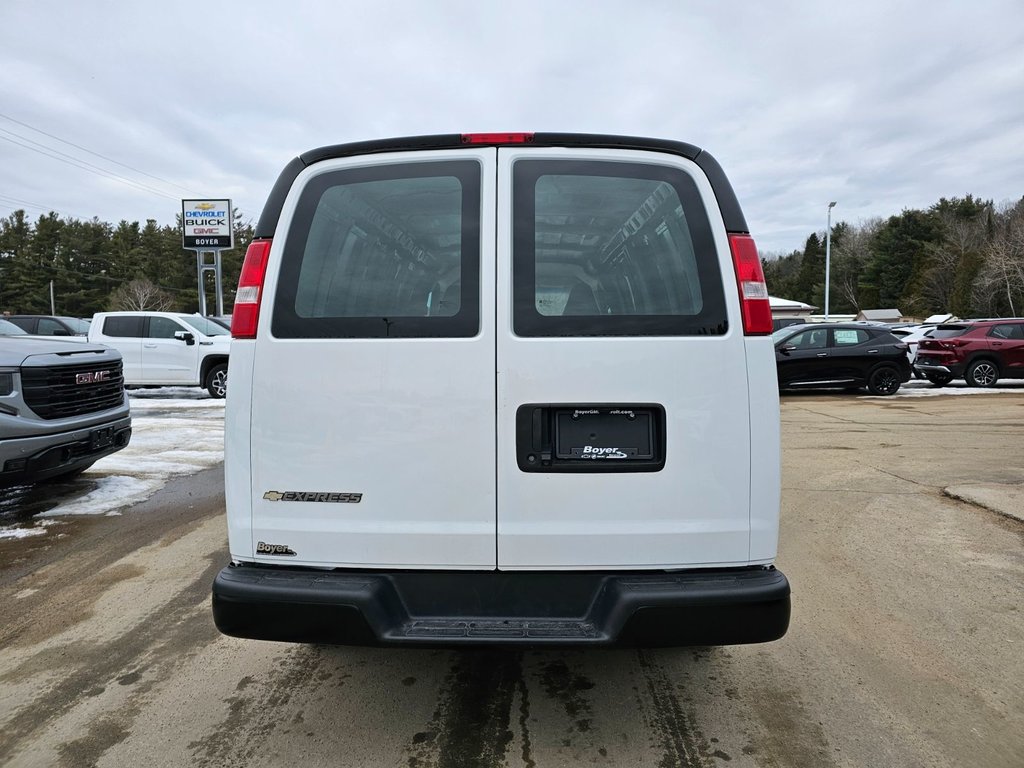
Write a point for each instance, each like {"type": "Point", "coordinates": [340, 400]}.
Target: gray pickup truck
{"type": "Point", "coordinates": [62, 407]}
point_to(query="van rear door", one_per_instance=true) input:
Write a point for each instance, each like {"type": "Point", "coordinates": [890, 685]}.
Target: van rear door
{"type": "Point", "coordinates": [373, 371]}
{"type": "Point", "coordinates": [623, 429]}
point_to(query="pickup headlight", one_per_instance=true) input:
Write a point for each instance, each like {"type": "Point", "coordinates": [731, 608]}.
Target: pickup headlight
{"type": "Point", "coordinates": [6, 382]}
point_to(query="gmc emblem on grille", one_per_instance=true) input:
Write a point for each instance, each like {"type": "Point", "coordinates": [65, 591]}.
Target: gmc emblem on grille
{"type": "Point", "coordinates": [92, 377]}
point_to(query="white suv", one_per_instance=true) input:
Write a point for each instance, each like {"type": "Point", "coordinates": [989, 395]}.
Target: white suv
{"type": "Point", "coordinates": [167, 348]}
{"type": "Point", "coordinates": [503, 389]}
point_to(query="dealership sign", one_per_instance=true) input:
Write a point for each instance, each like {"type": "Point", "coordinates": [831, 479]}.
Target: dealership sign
{"type": "Point", "coordinates": [207, 224]}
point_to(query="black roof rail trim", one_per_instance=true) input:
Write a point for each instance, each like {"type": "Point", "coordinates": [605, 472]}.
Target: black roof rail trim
{"type": "Point", "coordinates": [732, 214]}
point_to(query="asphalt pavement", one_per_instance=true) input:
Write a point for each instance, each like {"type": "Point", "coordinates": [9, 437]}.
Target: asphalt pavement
{"type": "Point", "coordinates": [905, 647]}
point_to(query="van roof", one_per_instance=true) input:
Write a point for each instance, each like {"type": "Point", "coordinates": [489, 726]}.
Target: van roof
{"type": "Point", "coordinates": [732, 214]}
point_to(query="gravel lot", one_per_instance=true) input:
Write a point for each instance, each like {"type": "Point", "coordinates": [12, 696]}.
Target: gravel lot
{"type": "Point", "coordinates": [905, 648]}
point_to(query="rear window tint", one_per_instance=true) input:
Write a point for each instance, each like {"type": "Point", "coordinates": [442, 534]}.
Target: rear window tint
{"type": "Point", "coordinates": [123, 327]}
{"type": "Point", "coordinates": [384, 252]}
{"type": "Point", "coordinates": [948, 331]}
{"type": "Point", "coordinates": [612, 249]}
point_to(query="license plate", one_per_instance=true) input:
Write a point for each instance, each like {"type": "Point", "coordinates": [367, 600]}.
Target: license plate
{"type": "Point", "coordinates": [101, 438]}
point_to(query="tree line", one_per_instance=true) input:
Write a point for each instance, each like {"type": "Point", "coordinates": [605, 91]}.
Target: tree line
{"type": "Point", "coordinates": [95, 266]}
{"type": "Point", "coordinates": [961, 255]}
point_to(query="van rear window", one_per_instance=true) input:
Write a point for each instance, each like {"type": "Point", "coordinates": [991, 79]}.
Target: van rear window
{"type": "Point", "coordinates": [384, 252]}
{"type": "Point", "coordinates": [612, 249]}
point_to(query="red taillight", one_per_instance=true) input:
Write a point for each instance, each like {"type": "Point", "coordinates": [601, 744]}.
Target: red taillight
{"type": "Point", "coordinates": [497, 138]}
{"type": "Point", "coordinates": [757, 311]}
{"type": "Point", "coordinates": [246, 314]}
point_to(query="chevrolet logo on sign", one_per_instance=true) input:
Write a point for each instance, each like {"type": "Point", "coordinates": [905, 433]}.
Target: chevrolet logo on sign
{"type": "Point", "coordinates": [205, 206]}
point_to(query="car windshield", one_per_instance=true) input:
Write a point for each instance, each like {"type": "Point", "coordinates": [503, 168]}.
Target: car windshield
{"type": "Point", "coordinates": [7, 328]}
{"type": "Point", "coordinates": [77, 324]}
{"type": "Point", "coordinates": [205, 326]}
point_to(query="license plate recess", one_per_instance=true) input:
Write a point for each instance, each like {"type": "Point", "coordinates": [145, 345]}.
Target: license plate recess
{"type": "Point", "coordinates": [590, 438]}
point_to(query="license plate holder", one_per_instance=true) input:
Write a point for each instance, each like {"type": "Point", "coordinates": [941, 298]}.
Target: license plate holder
{"type": "Point", "coordinates": [101, 438]}
{"type": "Point", "coordinates": [604, 434]}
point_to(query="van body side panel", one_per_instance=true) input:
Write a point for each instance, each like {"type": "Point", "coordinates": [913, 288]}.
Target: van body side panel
{"type": "Point", "coordinates": [238, 451]}
{"type": "Point", "coordinates": [384, 456]}
{"type": "Point", "coordinates": [765, 437]}
{"type": "Point", "coordinates": [694, 512]}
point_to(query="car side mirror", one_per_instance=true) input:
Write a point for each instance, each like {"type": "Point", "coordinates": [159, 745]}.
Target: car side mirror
{"type": "Point", "coordinates": [185, 336]}
{"type": "Point", "coordinates": [787, 349]}
{"type": "Point", "coordinates": [61, 332]}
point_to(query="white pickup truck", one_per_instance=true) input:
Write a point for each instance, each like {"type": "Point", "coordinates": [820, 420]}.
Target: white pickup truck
{"type": "Point", "coordinates": [166, 348]}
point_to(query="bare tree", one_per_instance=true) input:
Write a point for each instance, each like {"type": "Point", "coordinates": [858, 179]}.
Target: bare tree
{"type": "Point", "coordinates": [849, 257]}
{"type": "Point", "coordinates": [140, 295]}
{"type": "Point", "coordinates": [1000, 285]}
{"type": "Point", "coordinates": [961, 237]}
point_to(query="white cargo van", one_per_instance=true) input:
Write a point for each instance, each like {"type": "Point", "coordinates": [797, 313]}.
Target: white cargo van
{"type": "Point", "coordinates": [503, 389]}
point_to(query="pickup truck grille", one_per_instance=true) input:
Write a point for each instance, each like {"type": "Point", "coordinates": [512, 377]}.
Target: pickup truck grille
{"type": "Point", "coordinates": [72, 390]}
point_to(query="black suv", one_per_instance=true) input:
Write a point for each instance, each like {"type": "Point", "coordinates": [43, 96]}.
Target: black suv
{"type": "Point", "coordinates": [50, 325]}
{"type": "Point", "coordinates": [845, 355]}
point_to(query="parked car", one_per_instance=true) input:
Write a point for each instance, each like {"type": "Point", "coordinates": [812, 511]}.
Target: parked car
{"type": "Point", "coordinates": [841, 355]}
{"type": "Point", "coordinates": [779, 323]}
{"type": "Point", "coordinates": [981, 352]}
{"type": "Point", "coordinates": [51, 325]}
{"type": "Point", "coordinates": [166, 348]}
{"type": "Point", "coordinates": [472, 404]}
{"type": "Point", "coordinates": [10, 329]}
{"type": "Point", "coordinates": [911, 335]}
{"type": "Point", "coordinates": [62, 407]}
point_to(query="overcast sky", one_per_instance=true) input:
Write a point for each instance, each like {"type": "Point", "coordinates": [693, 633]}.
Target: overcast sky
{"type": "Point", "coordinates": [880, 106]}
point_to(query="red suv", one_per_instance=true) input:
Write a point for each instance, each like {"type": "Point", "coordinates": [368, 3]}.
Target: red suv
{"type": "Point", "coordinates": [979, 351]}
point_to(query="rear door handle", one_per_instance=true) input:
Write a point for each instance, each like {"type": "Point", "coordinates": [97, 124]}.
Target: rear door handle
{"type": "Point", "coordinates": [149, 346]}
{"type": "Point", "coordinates": [872, 351]}
{"type": "Point", "coordinates": [823, 354]}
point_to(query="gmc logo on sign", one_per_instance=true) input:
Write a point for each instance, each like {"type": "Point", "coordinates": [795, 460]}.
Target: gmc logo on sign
{"type": "Point", "coordinates": [92, 377]}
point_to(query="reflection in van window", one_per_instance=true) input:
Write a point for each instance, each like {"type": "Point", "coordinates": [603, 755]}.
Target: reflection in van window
{"type": "Point", "coordinates": [612, 249]}
{"type": "Point", "coordinates": [389, 248]}
{"type": "Point", "coordinates": [612, 246]}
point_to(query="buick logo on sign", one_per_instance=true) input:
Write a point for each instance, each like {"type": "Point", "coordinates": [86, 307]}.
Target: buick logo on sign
{"type": "Point", "coordinates": [92, 377]}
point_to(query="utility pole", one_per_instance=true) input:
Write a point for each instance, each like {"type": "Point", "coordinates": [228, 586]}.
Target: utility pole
{"type": "Point", "coordinates": [828, 253]}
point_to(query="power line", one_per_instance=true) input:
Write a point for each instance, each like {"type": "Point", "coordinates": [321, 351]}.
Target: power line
{"type": "Point", "coordinates": [29, 204]}
{"type": "Point", "coordinates": [82, 164]}
{"type": "Point", "coordinates": [95, 154]}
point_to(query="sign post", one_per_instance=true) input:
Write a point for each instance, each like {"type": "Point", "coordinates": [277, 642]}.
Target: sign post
{"type": "Point", "coordinates": [207, 229]}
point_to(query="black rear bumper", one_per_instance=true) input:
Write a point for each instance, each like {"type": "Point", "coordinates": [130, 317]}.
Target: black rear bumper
{"type": "Point", "coordinates": [429, 608]}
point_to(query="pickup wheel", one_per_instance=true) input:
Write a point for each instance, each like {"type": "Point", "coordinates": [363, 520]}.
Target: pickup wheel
{"type": "Point", "coordinates": [982, 373]}
{"type": "Point", "coordinates": [884, 380]}
{"type": "Point", "coordinates": [939, 379]}
{"type": "Point", "coordinates": [217, 380]}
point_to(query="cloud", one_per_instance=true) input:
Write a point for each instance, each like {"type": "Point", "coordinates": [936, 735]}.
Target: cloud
{"type": "Point", "coordinates": [880, 106]}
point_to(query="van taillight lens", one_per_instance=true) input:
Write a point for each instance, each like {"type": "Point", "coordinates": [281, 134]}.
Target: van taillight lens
{"type": "Point", "coordinates": [757, 311]}
{"type": "Point", "coordinates": [497, 138]}
{"type": "Point", "coordinates": [246, 314]}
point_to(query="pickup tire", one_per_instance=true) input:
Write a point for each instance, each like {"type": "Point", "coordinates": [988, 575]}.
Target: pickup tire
{"type": "Point", "coordinates": [217, 380]}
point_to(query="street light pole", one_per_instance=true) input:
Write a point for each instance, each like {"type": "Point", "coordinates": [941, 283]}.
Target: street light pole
{"type": "Point", "coordinates": [828, 253]}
